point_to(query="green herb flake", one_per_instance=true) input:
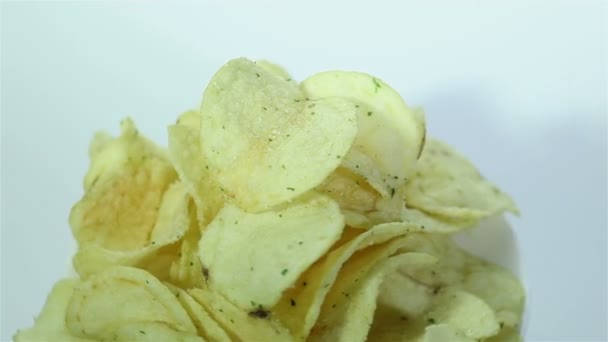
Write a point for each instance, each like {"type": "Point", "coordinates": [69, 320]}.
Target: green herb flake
{"type": "Point", "coordinates": [142, 332]}
{"type": "Point", "coordinates": [293, 302]}
{"type": "Point", "coordinates": [376, 84]}
{"type": "Point", "coordinates": [292, 189]}
{"type": "Point", "coordinates": [392, 192]}
{"type": "Point", "coordinates": [284, 271]}
{"type": "Point", "coordinates": [252, 303]}
{"type": "Point", "coordinates": [370, 113]}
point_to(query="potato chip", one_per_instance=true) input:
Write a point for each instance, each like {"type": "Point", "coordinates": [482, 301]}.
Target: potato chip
{"type": "Point", "coordinates": [205, 325]}
{"type": "Point", "coordinates": [466, 313]}
{"type": "Point", "coordinates": [100, 141]}
{"type": "Point", "coordinates": [406, 295]}
{"type": "Point", "coordinates": [125, 186]}
{"type": "Point", "coordinates": [348, 310]}
{"type": "Point", "coordinates": [191, 119]}
{"type": "Point", "coordinates": [171, 224]}
{"type": "Point", "coordinates": [252, 258]}
{"type": "Point", "coordinates": [186, 271]}
{"type": "Point", "coordinates": [391, 135]}
{"type": "Point", "coordinates": [116, 296]}
{"type": "Point", "coordinates": [498, 288]}
{"type": "Point", "coordinates": [264, 141]}
{"type": "Point", "coordinates": [50, 323]}
{"type": "Point", "coordinates": [255, 324]}
{"type": "Point", "coordinates": [349, 190]}
{"type": "Point", "coordinates": [311, 288]}
{"type": "Point", "coordinates": [275, 69]}
{"type": "Point", "coordinates": [506, 335]}
{"type": "Point", "coordinates": [443, 333]}
{"type": "Point", "coordinates": [446, 184]}
{"type": "Point", "coordinates": [151, 332]}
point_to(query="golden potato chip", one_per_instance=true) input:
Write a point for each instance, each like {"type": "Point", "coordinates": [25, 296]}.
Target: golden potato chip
{"type": "Point", "coordinates": [120, 295]}
{"type": "Point", "coordinates": [391, 135]}
{"type": "Point", "coordinates": [264, 141]}
{"type": "Point", "coordinates": [446, 184]}
{"type": "Point", "coordinates": [205, 325]}
{"type": "Point", "coordinates": [348, 310]}
{"type": "Point", "coordinates": [255, 324]}
{"type": "Point", "coordinates": [252, 258]}
{"type": "Point", "coordinates": [185, 153]}
{"type": "Point", "coordinates": [125, 186]}
{"type": "Point", "coordinates": [311, 288]}
{"type": "Point", "coordinates": [171, 224]}
{"type": "Point", "coordinates": [50, 323]}
{"type": "Point", "coordinates": [466, 313]}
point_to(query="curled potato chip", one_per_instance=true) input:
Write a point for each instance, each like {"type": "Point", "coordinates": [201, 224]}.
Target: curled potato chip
{"type": "Point", "coordinates": [124, 189]}
{"type": "Point", "coordinates": [265, 142]}
{"type": "Point", "coordinates": [312, 286]}
{"type": "Point", "coordinates": [256, 324]}
{"type": "Point", "coordinates": [252, 258]}
{"type": "Point", "coordinates": [156, 255]}
{"type": "Point", "coordinates": [186, 271]}
{"type": "Point", "coordinates": [348, 310]}
{"type": "Point", "coordinates": [116, 296]}
{"type": "Point", "coordinates": [50, 323]}
{"type": "Point", "coordinates": [391, 135]}
{"type": "Point", "coordinates": [349, 190]}
{"type": "Point", "coordinates": [446, 184]}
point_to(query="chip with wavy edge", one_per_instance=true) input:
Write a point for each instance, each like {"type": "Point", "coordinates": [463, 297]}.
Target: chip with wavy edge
{"type": "Point", "coordinates": [446, 184]}
{"type": "Point", "coordinates": [120, 295]}
{"type": "Point", "coordinates": [265, 141]}
{"type": "Point", "coordinates": [391, 135]}
{"type": "Point", "coordinates": [251, 258]}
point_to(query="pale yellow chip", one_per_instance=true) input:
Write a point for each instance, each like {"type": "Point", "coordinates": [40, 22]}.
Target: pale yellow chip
{"type": "Point", "coordinates": [264, 141]}
{"type": "Point", "coordinates": [466, 313]}
{"type": "Point", "coordinates": [124, 189]}
{"type": "Point", "coordinates": [506, 335]}
{"type": "Point", "coordinates": [311, 288]}
{"type": "Point", "coordinates": [152, 332]}
{"type": "Point", "coordinates": [186, 156]}
{"type": "Point", "coordinates": [186, 271]}
{"type": "Point", "coordinates": [446, 184]}
{"type": "Point", "coordinates": [252, 258]}
{"type": "Point", "coordinates": [99, 142]}
{"type": "Point", "coordinates": [392, 325]}
{"type": "Point", "coordinates": [444, 333]}
{"type": "Point", "coordinates": [156, 255]}
{"type": "Point", "coordinates": [256, 324]}
{"type": "Point", "coordinates": [120, 295]}
{"type": "Point", "coordinates": [275, 69]}
{"type": "Point", "coordinates": [499, 288]}
{"type": "Point", "coordinates": [50, 323]}
{"type": "Point", "coordinates": [349, 190]}
{"type": "Point", "coordinates": [391, 135]}
{"type": "Point", "coordinates": [348, 310]}
{"type": "Point", "coordinates": [206, 326]}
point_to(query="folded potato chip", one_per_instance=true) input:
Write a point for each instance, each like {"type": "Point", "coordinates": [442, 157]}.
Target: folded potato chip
{"type": "Point", "coordinates": [391, 135]}
{"type": "Point", "coordinates": [446, 184]}
{"type": "Point", "coordinates": [252, 258]}
{"type": "Point", "coordinates": [265, 141]}
{"type": "Point", "coordinates": [118, 296]}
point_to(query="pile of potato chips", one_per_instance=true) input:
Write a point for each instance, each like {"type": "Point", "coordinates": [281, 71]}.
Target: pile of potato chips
{"type": "Point", "coordinates": [282, 211]}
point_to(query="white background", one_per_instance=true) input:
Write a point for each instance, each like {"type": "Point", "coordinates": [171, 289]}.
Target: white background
{"type": "Point", "coordinates": [519, 87]}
